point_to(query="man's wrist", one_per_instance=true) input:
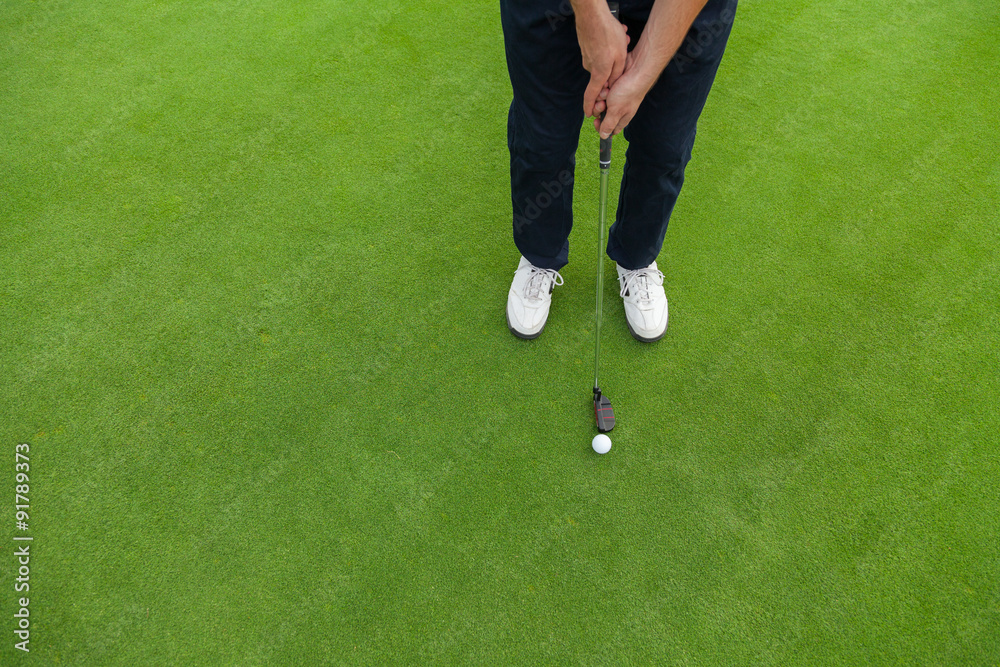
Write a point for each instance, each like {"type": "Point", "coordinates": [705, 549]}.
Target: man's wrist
{"type": "Point", "coordinates": [586, 9]}
{"type": "Point", "coordinates": [647, 66]}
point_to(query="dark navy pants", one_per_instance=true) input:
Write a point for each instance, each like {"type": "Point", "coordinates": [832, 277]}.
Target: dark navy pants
{"type": "Point", "coordinates": [543, 127]}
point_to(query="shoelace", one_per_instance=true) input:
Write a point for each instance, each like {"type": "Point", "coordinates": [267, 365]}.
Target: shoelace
{"type": "Point", "coordinates": [638, 281]}
{"type": "Point", "coordinates": [539, 281]}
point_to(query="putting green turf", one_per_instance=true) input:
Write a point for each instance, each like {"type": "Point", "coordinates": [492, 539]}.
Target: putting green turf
{"type": "Point", "coordinates": [255, 256]}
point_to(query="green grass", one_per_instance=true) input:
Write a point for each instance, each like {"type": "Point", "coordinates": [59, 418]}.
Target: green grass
{"type": "Point", "coordinates": [255, 258]}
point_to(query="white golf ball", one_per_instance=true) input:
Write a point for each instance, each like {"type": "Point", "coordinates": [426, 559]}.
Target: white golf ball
{"type": "Point", "coordinates": [601, 443]}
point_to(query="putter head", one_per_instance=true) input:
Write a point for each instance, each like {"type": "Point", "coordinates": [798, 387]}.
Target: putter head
{"type": "Point", "coordinates": [603, 412]}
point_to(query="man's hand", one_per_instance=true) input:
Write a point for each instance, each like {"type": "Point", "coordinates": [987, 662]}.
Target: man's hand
{"type": "Point", "coordinates": [623, 98]}
{"type": "Point", "coordinates": [668, 23]}
{"type": "Point", "coordinates": [604, 44]}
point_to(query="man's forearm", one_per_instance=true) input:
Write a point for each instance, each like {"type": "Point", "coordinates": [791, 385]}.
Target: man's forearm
{"type": "Point", "coordinates": [668, 23]}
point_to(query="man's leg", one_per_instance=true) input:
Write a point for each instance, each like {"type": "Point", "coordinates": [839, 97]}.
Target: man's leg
{"type": "Point", "coordinates": [662, 133]}
{"type": "Point", "coordinates": [543, 124]}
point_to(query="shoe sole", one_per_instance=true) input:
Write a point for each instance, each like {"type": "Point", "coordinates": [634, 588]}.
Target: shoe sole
{"type": "Point", "coordinates": [640, 338]}
{"type": "Point", "coordinates": [518, 333]}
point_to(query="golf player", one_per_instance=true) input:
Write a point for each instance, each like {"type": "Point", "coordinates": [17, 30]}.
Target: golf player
{"type": "Point", "coordinates": [649, 72]}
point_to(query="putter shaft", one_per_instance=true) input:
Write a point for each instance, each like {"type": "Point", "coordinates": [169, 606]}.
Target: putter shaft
{"type": "Point", "coordinates": [601, 222]}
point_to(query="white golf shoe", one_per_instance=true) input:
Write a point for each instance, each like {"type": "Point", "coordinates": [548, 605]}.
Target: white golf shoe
{"type": "Point", "coordinates": [645, 302]}
{"type": "Point", "coordinates": [529, 299]}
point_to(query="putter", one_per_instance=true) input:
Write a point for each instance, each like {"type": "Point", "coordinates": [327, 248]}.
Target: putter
{"type": "Point", "coordinates": [603, 412]}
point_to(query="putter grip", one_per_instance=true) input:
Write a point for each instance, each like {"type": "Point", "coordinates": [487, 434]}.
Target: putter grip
{"type": "Point", "coordinates": [605, 148]}
{"type": "Point", "coordinates": [605, 153]}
